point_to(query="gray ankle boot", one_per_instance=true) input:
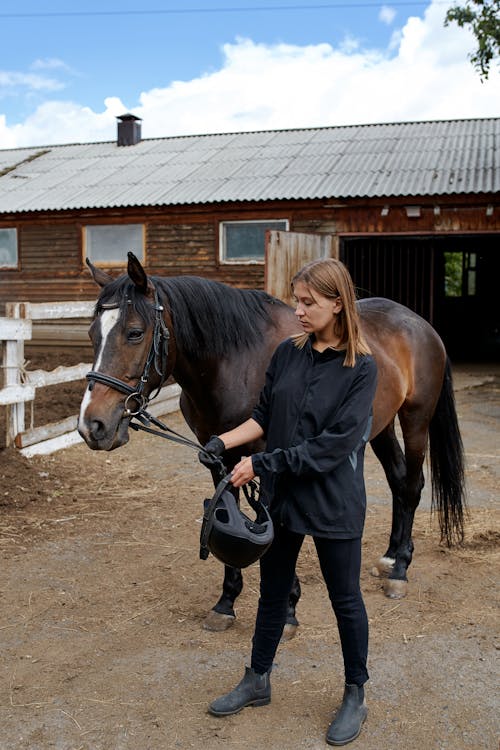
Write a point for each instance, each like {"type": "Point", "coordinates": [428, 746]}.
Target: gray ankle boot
{"type": "Point", "coordinates": [253, 690]}
{"type": "Point", "coordinates": [347, 723]}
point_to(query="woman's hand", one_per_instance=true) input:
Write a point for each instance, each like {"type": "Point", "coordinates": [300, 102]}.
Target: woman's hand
{"type": "Point", "coordinates": [243, 472]}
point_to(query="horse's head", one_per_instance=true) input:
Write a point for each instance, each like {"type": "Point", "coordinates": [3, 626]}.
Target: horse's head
{"type": "Point", "coordinates": [132, 358]}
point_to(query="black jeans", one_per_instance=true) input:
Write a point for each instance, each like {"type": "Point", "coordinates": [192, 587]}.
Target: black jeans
{"type": "Point", "coordinates": [340, 561]}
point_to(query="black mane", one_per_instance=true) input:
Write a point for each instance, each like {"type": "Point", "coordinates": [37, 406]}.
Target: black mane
{"type": "Point", "coordinates": [213, 318]}
{"type": "Point", "coordinates": [208, 317]}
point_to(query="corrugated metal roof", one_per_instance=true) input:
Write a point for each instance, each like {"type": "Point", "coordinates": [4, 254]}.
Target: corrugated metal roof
{"type": "Point", "coordinates": [359, 161]}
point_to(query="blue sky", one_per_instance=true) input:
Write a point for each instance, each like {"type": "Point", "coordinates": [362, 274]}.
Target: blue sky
{"type": "Point", "coordinates": [67, 71]}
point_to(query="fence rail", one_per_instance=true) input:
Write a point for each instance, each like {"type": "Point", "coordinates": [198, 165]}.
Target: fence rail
{"type": "Point", "coordinates": [20, 385]}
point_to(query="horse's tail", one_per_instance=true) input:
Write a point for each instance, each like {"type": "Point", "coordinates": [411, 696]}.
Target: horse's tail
{"type": "Point", "coordinates": [447, 465]}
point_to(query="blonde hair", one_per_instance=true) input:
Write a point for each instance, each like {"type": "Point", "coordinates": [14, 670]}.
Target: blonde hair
{"type": "Point", "coordinates": [331, 278]}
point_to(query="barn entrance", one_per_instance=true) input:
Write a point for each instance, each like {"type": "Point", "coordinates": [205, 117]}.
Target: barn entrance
{"type": "Point", "coordinates": [451, 281]}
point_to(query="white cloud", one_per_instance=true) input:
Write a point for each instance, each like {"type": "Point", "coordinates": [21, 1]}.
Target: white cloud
{"type": "Point", "coordinates": [425, 74]}
{"type": "Point", "coordinates": [387, 14]}
{"type": "Point", "coordinates": [395, 40]}
{"type": "Point", "coordinates": [62, 122]}
{"type": "Point", "coordinates": [13, 80]}
{"type": "Point", "coordinates": [349, 44]}
{"type": "Point", "coordinates": [49, 63]}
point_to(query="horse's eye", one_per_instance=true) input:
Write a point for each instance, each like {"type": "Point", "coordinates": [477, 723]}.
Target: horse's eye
{"type": "Point", "coordinates": [135, 335]}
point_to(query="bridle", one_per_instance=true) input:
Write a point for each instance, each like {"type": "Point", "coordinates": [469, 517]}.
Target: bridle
{"type": "Point", "coordinates": [157, 358]}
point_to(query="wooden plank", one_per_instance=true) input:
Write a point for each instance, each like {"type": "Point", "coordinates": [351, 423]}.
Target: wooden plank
{"type": "Point", "coordinates": [40, 378]}
{"type": "Point", "coordinates": [16, 394]}
{"type": "Point", "coordinates": [51, 446]}
{"type": "Point", "coordinates": [287, 252]}
{"type": "Point", "coordinates": [50, 310]}
{"type": "Point", "coordinates": [12, 330]}
{"type": "Point", "coordinates": [46, 432]}
{"type": "Point", "coordinates": [74, 334]}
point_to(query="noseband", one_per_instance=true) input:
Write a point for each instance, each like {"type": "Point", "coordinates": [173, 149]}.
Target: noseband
{"type": "Point", "coordinates": [157, 357]}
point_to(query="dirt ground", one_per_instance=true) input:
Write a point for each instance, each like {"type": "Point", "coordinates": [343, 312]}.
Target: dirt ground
{"type": "Point", "coordinates": [103, 598]}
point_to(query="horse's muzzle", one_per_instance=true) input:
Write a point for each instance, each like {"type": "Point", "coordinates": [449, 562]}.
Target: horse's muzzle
{"type": "Point", "coordinates": [100, 436]}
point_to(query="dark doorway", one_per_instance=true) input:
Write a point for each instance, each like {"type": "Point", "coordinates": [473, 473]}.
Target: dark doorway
{"type": "Point", "coordinates": [451, 281]}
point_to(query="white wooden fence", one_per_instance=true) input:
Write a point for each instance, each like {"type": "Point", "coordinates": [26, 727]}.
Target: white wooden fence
{"type": "Point", "coordinates": [19, 384]}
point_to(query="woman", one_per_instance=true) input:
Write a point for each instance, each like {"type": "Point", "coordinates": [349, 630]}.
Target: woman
{"type": "Point", "coordinates": [315, 414]}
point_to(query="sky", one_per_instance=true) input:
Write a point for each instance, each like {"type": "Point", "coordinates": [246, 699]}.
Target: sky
{"type": "Point", "coordinates": [67, 70]}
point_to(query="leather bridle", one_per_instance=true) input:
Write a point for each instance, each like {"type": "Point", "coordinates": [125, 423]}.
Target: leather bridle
{"type": "Point", "coordinates": [157, 358]}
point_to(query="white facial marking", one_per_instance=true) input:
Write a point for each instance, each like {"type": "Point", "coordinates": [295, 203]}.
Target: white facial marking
{"type": "Point", "coordinates": [108, 319]}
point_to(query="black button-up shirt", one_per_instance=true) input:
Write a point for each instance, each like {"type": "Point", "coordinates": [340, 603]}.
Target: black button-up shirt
{"type": "Point", "coordinates": [316, 417]}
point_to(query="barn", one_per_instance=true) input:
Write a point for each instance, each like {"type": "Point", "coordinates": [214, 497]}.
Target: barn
{"type": "Point", "coordinates": [412, 208]}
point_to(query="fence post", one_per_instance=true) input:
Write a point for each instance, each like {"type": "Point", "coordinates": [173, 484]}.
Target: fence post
{"type": "Point", "coordinates": [13, 362]}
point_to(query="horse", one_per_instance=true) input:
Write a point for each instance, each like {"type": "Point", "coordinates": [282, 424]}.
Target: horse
{"type": "Point", "coordinates": [216, 341]}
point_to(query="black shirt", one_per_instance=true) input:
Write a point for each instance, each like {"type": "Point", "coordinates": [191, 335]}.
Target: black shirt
{"type": "Point", "coordinates": [316, 417]}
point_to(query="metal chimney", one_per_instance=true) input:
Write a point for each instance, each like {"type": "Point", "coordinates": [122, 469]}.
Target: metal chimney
{"type": "Point", "coordinates": [129, 130]}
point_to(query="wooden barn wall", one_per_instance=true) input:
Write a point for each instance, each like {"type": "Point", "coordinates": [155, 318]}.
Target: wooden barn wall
{"type": "Point", "coordinates": [192, 249]}
{"type": "Point", "coordinates": [185, 240]}
{"type": "Point", "coordinates": [49, 247]}
{"type": "Point", "coordinates": [180, 248]}
{"type": "Point", "coordinates": [49, 263]}
{"type": "Point", "coordinates": [358, 218]}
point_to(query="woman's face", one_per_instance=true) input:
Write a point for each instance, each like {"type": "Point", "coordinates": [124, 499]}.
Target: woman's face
{"type": "Point", "coordinates": [315, 312]}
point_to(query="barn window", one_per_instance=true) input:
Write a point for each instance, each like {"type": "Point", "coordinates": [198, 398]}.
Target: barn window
{"type": "Point", "coordinates": [244, 241]}
{"type": "Point", "coordinates": [109, 243]}
{"type": "Point", "coordinates": [8, 248]}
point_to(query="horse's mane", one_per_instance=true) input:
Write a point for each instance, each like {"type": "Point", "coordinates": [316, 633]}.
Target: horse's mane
{"type": "Point", "coordinates": [208, 317]}
{"type": "Point", "coordinates": [215, 318]}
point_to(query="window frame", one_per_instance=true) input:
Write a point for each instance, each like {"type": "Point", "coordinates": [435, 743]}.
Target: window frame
{"type": "Point", "coordinates": [113, 263]}
{"type": "Point", "coordinates": [14, 266]}
{"type": "Point", "coordinates": [224, 260]}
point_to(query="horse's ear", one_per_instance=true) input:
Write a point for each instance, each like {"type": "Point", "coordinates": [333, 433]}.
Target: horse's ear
{"type": "Point", "coordinates": [100, 277]}
{"type": "Point", "coordinates": [138, 275]}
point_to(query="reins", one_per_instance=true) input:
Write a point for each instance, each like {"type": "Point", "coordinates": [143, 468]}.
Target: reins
{"type": "Point", "coordinates": [167, 433]}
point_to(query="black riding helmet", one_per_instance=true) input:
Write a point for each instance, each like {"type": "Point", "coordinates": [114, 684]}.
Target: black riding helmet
{"type": "Point", "coordinates": [230, 535]}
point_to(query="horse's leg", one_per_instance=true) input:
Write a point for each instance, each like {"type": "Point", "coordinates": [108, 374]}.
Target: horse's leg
{"type": "Point", "coordinates": [292, 623]}
{"type": "Point", "coordinates": [222, 616]}
{"type": "Point", "coordinates": [388, 451]}
{"type": "Point", "coordinates": [414, 424]}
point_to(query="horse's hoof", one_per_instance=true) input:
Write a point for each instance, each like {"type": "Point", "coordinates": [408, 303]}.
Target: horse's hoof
{"type": "Point", "coordinates": [395, 588]}
{"type": "Point", "coordinates": [217, 622]}
{"type": "Point", "coordinates": [289, 631]}
{"type": "Point", "coordinates": [383, 567]}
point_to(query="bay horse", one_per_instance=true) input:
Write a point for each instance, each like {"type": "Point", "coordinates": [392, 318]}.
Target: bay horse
{"type": "Point", "coordinates": [216, 341]}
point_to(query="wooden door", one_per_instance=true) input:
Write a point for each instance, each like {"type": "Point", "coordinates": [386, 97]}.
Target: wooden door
{"type": "Point", "coordinates": [287, 252]}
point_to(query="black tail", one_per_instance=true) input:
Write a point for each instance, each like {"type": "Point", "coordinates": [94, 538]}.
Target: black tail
{"type": "Point", "coordinates": [447, 465]}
